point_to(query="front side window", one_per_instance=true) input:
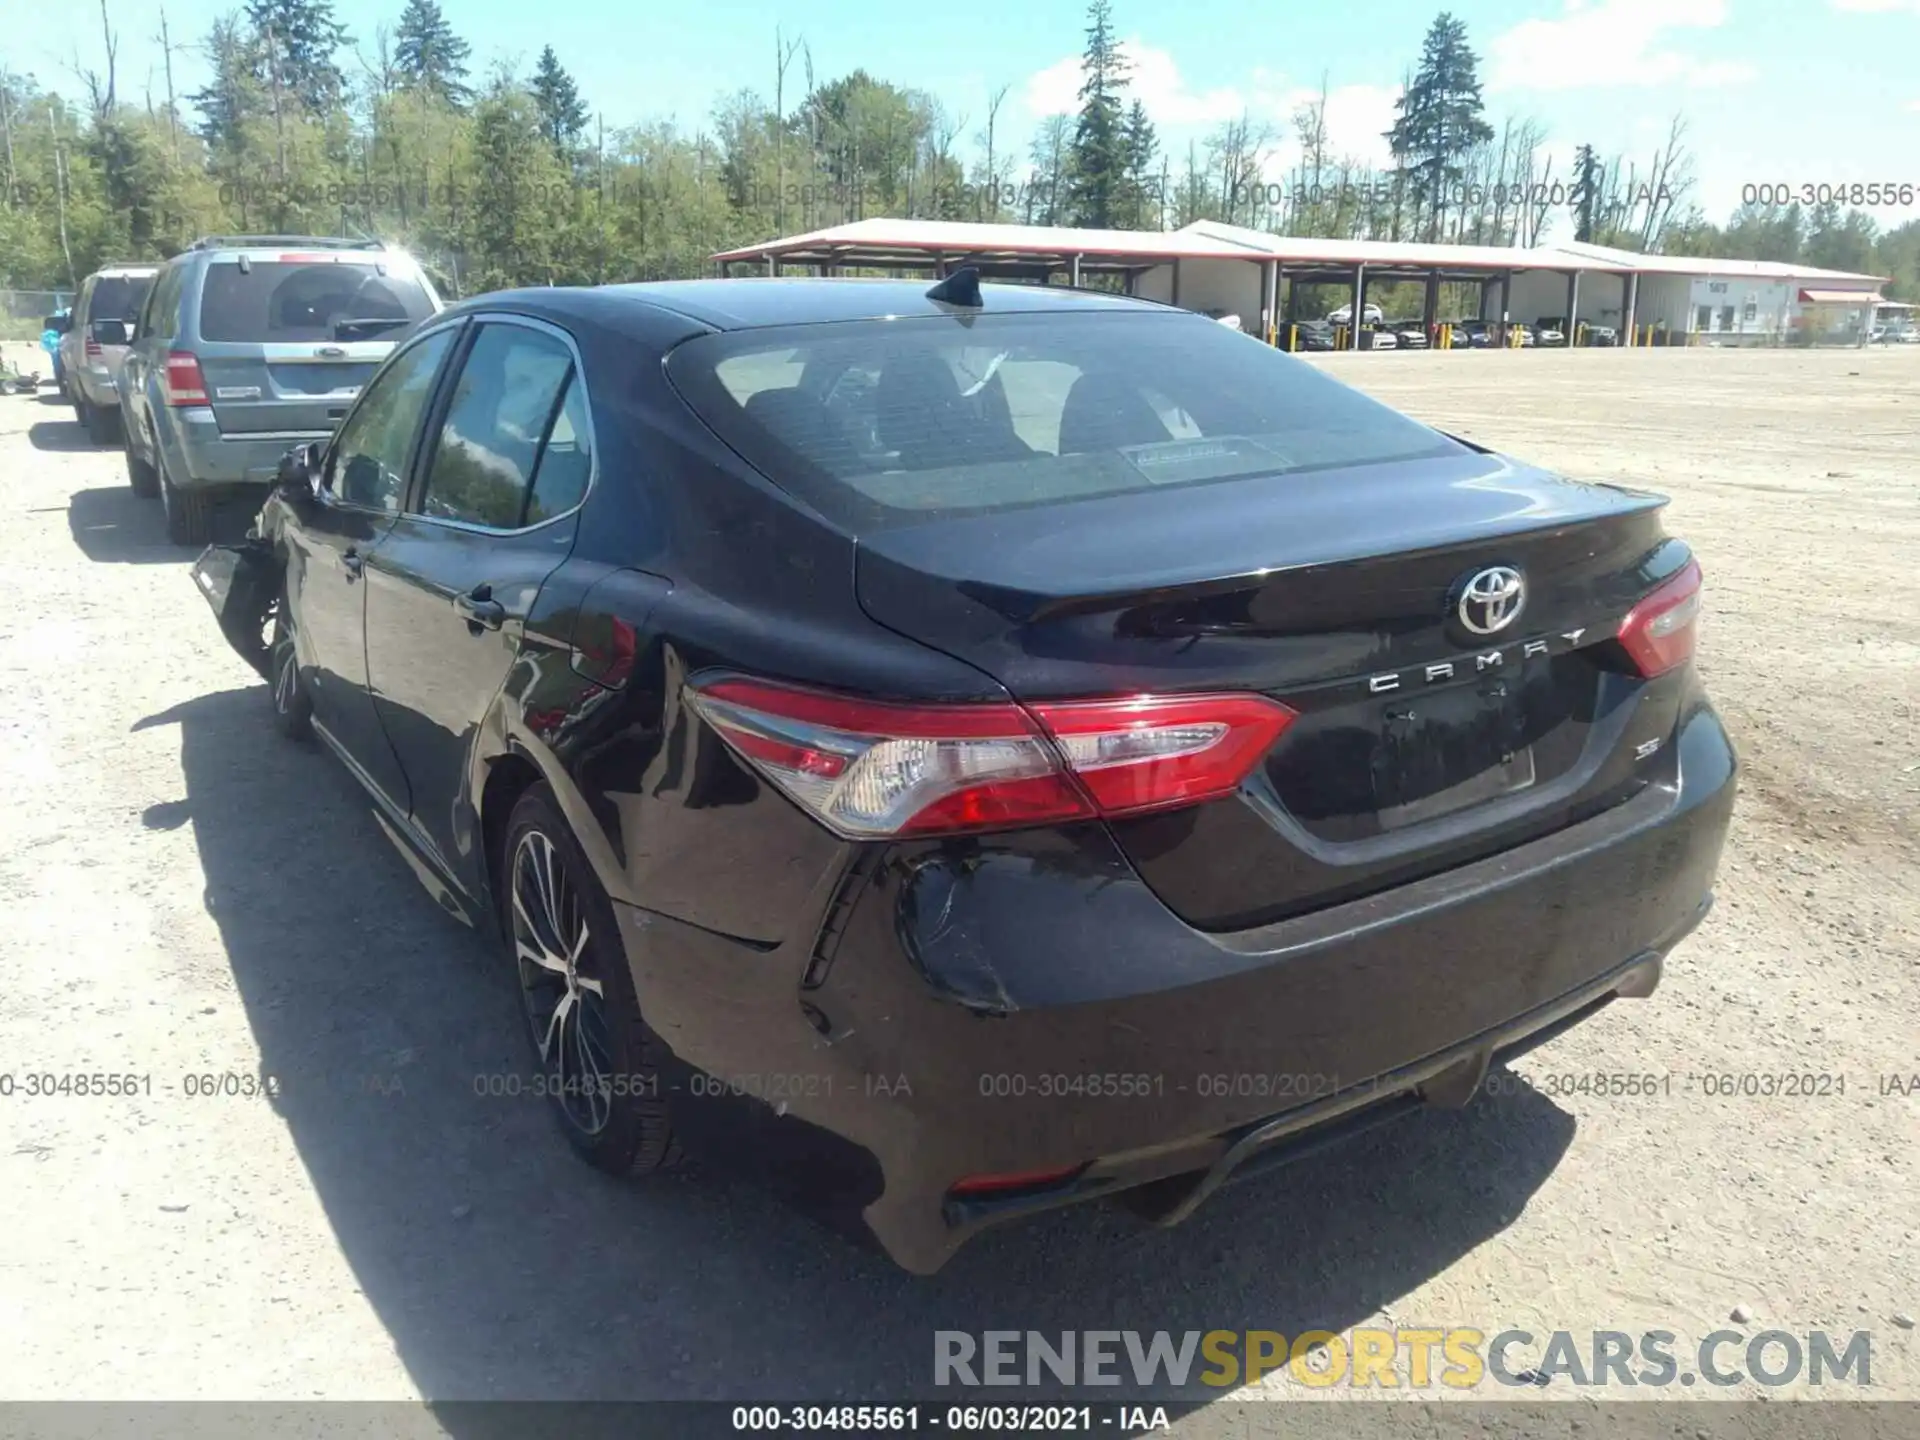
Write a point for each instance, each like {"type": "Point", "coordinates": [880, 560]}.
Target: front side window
{"type": "Point", "coordinates": [502, 409]}
{"type": "Point", "coordinates": [895, 423]}
{"type": "Point", "coordinates": [368, 465]}
{"type": "Point", "coordinates": [296, 300]}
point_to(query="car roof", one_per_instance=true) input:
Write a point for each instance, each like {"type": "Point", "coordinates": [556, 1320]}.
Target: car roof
{"type": "Point", "coordinates": [764, 301]}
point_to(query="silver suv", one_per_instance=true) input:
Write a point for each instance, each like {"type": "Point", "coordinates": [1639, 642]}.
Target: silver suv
{"type": "Point", "coordinates": [94, 345]}
{"type": "Point", "coordinates": [247, 346]}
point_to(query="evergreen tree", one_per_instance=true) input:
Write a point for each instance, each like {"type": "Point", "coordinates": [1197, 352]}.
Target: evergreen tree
{"type": "Point", "coordinates": [1586, 194]}
{"type": "Point", "coordinates": [557, 99]}
{"type": "Point", "coordinates": [429, 56]}
{"type": "Point", "coordinates": [1143, 153]}
{"type": "Point", "coordinates": [294, 45]}
{"type": "Point", "coordinates": [1097, 186]}
{"type": "Point", "coordinates": [1439, 118]}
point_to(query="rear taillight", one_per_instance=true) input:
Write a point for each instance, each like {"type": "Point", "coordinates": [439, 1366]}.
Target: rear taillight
{"type": "Point", "coordinates": [91, 347]}
{"type": "Point", "coordinates": [1659, 632]}
{"type": "Point", "coordinates": [869, 768]}
{"type": "Point", "coordinates": [183, 382]}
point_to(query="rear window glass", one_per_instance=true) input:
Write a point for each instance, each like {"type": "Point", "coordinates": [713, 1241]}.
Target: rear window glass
{"type": "Point", "coordinates": [284, 301]}
{"type": "Point", "coordinates": [899, 422]}
{"type": "Point", "coordinates": [118, 297]}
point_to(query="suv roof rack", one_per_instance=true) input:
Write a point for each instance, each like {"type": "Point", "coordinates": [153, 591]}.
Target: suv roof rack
{"type": "Point", "coordinates": [318, 242]}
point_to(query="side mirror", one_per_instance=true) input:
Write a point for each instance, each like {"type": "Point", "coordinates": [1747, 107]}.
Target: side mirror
{"type": "Point", "coordinates": [112, 332]}
{"type": "Point", "coordinates": [58, 323]}
{"type": "Point", "coordinates": [302, 471]}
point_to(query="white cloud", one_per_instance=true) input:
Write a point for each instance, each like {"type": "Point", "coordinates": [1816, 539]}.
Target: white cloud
{"type": "Point", "coordinates": [1875, 7]}
{"type": "Point", "coordinates": [1358, 118]}
{"type": "Point", "coordinates": [1153, 78]}
{"type": "Point", "coordinates": [1614, 42]}
{"type": "Point", "coordinates": [1357, 115]}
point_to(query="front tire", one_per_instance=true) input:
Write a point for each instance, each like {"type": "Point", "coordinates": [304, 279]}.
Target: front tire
{"type": "Point", "coordinates": [103, 424]}
{"type": "Point", "coordinates": [292, 706]}
{"type": "Point", "coordinates": [141, 476]}
{"type": "Point", "coordinates": [604, 1069]}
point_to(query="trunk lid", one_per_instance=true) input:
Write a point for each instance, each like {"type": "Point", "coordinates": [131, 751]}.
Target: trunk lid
{"type": "Point", "coordinates": [1419, 743]}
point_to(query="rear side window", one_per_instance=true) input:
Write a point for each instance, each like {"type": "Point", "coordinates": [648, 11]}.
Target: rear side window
{"type": "Point", "coordinates": [503, 407]}
{"type": "Point", "coordinates": [296, 302]}
{"type": "Point", "coordinates": [896, 423]}
{"type": "Point", "coordinates": [118, 297]}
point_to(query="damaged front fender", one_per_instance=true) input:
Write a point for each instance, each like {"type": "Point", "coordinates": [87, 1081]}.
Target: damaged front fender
{"type": "Point", "coordinates": [243, 585]}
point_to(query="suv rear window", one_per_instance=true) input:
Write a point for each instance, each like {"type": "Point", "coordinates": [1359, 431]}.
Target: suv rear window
{"type": "Point", "coordinates": [118, 297]}
{"type": "Point", "coordinates": [895, 423]}
{"type": "Point", "coordinates": [294, 302]}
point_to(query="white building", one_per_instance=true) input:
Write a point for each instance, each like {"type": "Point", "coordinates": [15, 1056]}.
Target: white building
{"type": "Point", "coordinates": [1267, 280]}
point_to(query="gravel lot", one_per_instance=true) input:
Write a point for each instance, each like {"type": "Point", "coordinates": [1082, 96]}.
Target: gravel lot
{"type": "Point", "coordinates": [189, 895]}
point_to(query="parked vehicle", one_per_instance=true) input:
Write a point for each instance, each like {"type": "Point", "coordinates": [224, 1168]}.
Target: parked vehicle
{"type": "Point", "coordinates": [1477, 335]}
{"type": "Point", "coordinates": [1224, 317]}
{"type": "Point", "coordinates": [1602, 335]}
{"type": "Point", "coordinates": [249, 343]}
{"type": "Point", "coordinates": [1548, 332]}
{"type": "Point", "coordinates": [1381, 339]}
{"type": "Point", "coordinates": [52, 328]}
{"type": "Point", "coordinates": [943, 806]}
{"type": "Point", "coordinates": [94, 346]}
{"type": "Point", "coordinates": [1315, 335]}
{"type": "Point", "coordinates": [1370, 315]}
{"type": "Point", "coordinates": [1412, 335]}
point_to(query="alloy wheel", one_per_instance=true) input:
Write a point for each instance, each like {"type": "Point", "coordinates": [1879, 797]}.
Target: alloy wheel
{"type": "Point", "coordinates": [565, 1000]}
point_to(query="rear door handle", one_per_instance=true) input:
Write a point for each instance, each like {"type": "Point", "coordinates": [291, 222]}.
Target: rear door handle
{"type": "Point", "coordinates": [352, 564]}
{"type": "Point", "coordinates": [480, 608]}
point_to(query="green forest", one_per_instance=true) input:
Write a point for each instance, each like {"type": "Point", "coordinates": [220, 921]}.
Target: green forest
{"type": "Point", "coordinates": [507, 178]}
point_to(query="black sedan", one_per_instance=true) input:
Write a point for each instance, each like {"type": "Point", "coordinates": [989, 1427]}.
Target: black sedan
{"type": "Point", "coordinates": [958, 753]}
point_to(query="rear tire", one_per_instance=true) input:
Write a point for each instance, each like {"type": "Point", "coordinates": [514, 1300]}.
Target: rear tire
{"type": "Point", "coordinates": [189, 512]}
{"type": "Point", "coordinates": [605, 1070]}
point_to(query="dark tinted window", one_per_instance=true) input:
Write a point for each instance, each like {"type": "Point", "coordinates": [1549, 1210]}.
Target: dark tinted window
{"type": "Point", "coordinates": [161, 316]}
{"type": "Point", "coordinates": [118, 297]}
{"type": "Point", "coordinates": [567, 461]}
{"type": "Point", "coordinates": [890, 423]}
{"type": "Point", "coordinates": [293, 302]}
{"type": "Point", "coordinates": [507, 394]}
{"type": "Point", "coordinates": [369, 461]}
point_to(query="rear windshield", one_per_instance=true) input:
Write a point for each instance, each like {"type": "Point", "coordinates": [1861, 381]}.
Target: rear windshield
{"type": "Point", "coordinates": [291, 301]}
{"type": "Point", "coordinates": [118, 297]}
{"type": "Point", "coordinates": [878, 423]}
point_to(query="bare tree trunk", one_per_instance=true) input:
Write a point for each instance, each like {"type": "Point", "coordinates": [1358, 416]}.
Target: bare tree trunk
{"type": "Point", "coordinates": [279, 121]}
{"type": "Point", "coordinates": [113, 52]}
{"type": "Point", "coordinates": [60, 191]}
{"type": "Point", "coordinates": [783, 55]}
{"type": "Point", "coordinates": [6, 132]}
{"type": "Point", "coordinates": [173, 113]}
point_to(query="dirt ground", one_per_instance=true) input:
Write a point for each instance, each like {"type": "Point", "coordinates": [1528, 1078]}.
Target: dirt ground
{"type": "Point", "coordinates": [187, 895]}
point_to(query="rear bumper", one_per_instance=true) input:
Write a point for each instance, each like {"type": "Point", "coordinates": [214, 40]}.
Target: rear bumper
{"type": "Point", "coordinates": [201, 457]}
{"type": "Point", "coordinates": [1026, 1004]}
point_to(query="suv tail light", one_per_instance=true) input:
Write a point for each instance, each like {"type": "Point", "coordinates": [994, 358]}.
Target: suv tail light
{"type": "Point", "coordinates": [183, 382]}
{"type": "Point", "coordinates": [91, 347]}
{"type": "Point", "coordinates": [1659, 632]}
{"type": "Point", "coordinates": [867, 768]}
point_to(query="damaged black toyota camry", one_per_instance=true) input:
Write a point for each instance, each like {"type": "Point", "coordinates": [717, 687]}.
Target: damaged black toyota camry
{"type": "Point", "coordinates": [958, 752]}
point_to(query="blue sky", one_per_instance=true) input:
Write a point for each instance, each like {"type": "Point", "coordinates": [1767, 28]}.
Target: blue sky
{"type": "Point", "coordinates": [1782, 91]}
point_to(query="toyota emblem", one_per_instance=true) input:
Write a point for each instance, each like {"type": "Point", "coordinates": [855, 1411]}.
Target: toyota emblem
{"type": "Point", "coordinates": [1491, 599]}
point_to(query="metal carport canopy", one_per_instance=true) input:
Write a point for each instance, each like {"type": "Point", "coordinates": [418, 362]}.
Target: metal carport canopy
{"type": "Point", "coordinates": [884, 243]}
